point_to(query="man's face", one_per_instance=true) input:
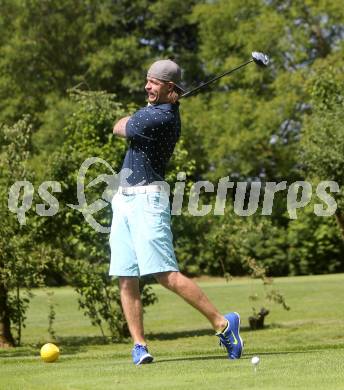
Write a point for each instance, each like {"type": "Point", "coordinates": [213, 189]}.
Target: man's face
{"type": "Point", "coordinates": [158, 90]}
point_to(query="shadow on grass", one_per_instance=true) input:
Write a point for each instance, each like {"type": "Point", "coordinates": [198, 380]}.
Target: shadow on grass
{"type": "Point", "coordinates": [77, 341]}
{"type": "Point", "coordinates": [224, 356]}
{"type": "Point", "coordinates": [180, 334]}
{"type": "Point", "coordinates": [24, 352]}
{"type": "Point", "coordinates": [188, 333]}
{"type": "Point", "coordinates": [192, 358]}
{"type": "Point", "coordinates": [18, 352]}
{"type": "Point", "coordinates": [69, 345]}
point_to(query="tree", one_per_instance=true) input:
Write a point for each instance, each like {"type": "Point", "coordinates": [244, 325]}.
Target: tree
{"type": "Point", "coordinates": [322, 144]}
{"type": "Point", "coordinates": [19, 269]}
{"type": "Point", "coordinates": [249, 126]}
{"type": "Point", "coordinates": [250, 123]}
{"type": "Point", "coordinates": [47, 47]}
{"type": "Point", "coordinates": [315, 245]}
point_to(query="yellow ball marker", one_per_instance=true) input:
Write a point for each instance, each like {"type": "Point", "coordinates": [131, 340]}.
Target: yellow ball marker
{"type": "Point", "coordinates": [50, 353]}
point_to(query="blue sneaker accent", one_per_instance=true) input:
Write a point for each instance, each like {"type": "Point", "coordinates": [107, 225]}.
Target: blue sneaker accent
{"type": "Point", "coordinates": [230, 338]}
{"type": "Point", "coordinates": [140, 355]}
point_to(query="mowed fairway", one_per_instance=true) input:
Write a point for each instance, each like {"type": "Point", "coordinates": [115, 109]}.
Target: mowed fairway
{"type": "Point", "coordinates": [299, 349]}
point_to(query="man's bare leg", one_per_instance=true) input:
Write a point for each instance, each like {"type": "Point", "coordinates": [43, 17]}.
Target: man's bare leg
{"type": "Point", "coordinates": [191, 293]}
{"type": "Point", "coordinates": [132, 307]}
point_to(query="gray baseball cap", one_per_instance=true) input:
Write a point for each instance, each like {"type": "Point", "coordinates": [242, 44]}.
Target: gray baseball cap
{"type": "Point", "coordinates": [166, 70]}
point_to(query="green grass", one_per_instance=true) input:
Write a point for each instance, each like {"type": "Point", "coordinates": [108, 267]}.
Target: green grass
{"type": "Point", "coordinates": [299, 349]}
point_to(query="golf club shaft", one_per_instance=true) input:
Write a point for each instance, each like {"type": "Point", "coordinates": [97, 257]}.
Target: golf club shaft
{"type": "Point", "coordinates": [192, 91]}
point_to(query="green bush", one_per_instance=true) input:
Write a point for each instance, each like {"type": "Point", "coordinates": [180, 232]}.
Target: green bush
{"type": "Point", "coordinates": [315, 245]}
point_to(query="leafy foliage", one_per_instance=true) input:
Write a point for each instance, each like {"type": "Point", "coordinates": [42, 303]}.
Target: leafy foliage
{"type": "Point", "coordinates": [19, 268]}
{"type": "Point", "coordinates": [322, 146]}
{"type": "Point", "coordinates": [47, 47]}
{"type": "Point", "coordinates": [315, 245]}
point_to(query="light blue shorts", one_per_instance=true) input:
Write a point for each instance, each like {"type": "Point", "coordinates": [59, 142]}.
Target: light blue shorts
{"type": "Point", "coordinates": [141, 239]}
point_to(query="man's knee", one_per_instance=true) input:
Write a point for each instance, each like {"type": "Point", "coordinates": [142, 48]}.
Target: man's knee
{"type": "Point", "coordinates": [168, 279]}
{"type": "Point", "coordinates": [128, 282]}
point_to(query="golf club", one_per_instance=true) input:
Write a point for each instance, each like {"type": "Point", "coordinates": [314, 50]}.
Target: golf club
{"type": "Point", "coordinates": [258, 58]}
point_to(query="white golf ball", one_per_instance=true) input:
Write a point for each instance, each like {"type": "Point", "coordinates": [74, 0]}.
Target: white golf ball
{"type": "Point", "coordinates": [255, 360]}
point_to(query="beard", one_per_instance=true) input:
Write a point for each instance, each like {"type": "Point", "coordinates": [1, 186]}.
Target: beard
{"type": "Point", "coordinates": [153, 97]}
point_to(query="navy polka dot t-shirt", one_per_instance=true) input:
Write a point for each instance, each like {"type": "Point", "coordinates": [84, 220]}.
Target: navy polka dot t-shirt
{"type": "Point", "coordinates": [153, 132]}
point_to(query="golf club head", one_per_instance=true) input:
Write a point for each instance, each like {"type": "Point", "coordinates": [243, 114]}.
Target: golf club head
{"type": "Point", "coordinates": [260, 58]}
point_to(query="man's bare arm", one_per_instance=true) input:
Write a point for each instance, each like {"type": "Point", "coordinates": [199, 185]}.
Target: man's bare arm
{"type": "Point", "coordinates": [119, 127]}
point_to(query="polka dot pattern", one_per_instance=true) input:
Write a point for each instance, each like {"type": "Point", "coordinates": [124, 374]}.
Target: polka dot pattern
{"type": "Point", "coordinates": [153, 132]}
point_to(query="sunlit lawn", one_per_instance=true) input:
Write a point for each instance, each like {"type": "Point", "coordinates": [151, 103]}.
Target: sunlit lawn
{"type": "Point", "coordinates": [299, 349]}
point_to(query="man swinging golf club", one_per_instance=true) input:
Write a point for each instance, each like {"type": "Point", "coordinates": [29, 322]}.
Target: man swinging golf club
{"type": "Point", "coordinates": [141, 238]}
